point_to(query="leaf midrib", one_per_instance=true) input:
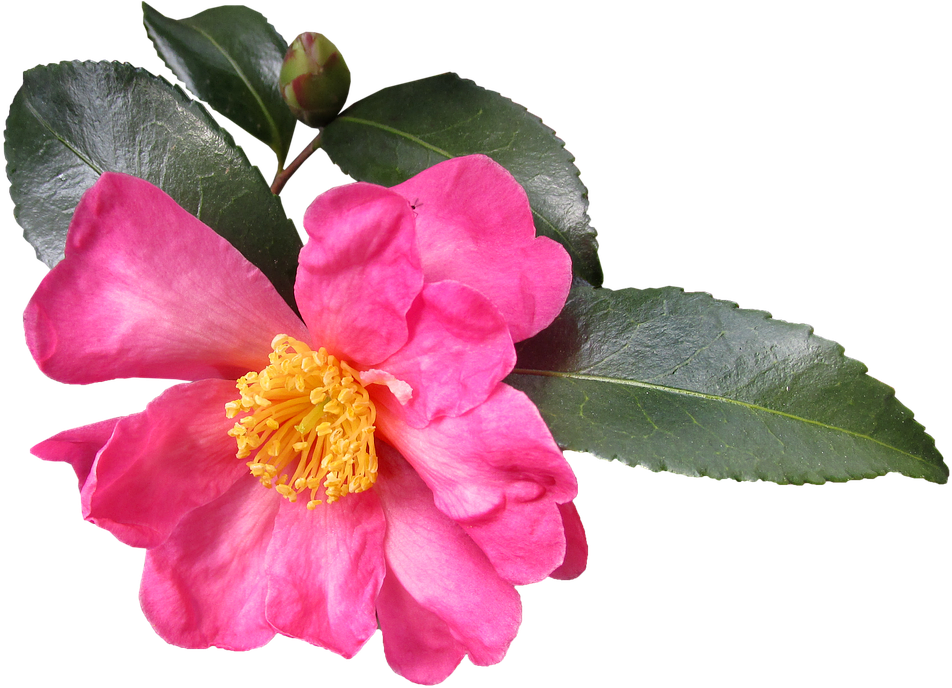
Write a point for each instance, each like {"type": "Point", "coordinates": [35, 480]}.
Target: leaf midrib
{"type": "Point", "coordinates": [710, 397]}
{"type": "Point", "coordinates": [276, 134]}
{"type": "Point", "coordinates": [62, 139]}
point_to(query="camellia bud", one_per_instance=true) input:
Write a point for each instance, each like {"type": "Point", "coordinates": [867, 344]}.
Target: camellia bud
{"type": "Point", "coordinates": [314, 79]}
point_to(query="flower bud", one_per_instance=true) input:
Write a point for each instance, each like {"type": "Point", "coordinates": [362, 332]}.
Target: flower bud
{"type": "Point", "coordinates": [314, 79]}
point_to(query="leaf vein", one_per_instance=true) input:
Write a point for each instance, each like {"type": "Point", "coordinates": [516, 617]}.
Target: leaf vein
{"type": "Point", "coordinates": [690, 358]}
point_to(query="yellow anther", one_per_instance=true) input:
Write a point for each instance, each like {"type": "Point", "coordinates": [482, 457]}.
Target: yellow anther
{"type": "Point", "coordinates": [287, 492]}
{"type": "Point", "coordinates": [310, 417]}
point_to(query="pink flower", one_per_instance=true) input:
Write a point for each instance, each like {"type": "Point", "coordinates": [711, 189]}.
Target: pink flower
{"type": "Point", "coordinates": [428, 488]}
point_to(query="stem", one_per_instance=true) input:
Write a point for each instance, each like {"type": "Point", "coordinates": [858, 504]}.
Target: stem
{"type": "Point", "coordinates": [281, 178]}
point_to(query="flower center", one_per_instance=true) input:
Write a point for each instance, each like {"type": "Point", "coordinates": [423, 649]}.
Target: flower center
{"type": "Point", "coordinates": [311, 424]}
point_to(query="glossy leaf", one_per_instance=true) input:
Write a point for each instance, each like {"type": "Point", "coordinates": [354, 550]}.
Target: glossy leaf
{"type": "Point", "coordinates": [229, 57]}
{"type": "Point", "coordinates": [395, 133]}
{"type": "Point", "coordinates": [682, 382]}
{"type": "Point", "coordinates": [72, 121]}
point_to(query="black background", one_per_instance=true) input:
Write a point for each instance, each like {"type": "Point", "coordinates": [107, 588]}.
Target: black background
{"type": "Point", "coordinates": [776, 183]}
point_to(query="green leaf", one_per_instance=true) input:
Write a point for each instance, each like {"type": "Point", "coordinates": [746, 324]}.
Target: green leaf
{"type": "Point", "coordinates": [72, 121]}
{"type": "Point", "coordinates": [681, 382]}
{"type": "Point", "coordinates": [395, 133]}
{"type": "Point", "coordinates": [230, 57]}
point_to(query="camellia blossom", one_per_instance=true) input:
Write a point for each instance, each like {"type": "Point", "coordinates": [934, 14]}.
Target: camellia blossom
{"type": "Point", "coordinates": [317, 475]}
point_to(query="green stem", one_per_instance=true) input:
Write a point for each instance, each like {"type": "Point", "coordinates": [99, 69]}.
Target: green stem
{"type": "Point", "coordinates": [281, 178]}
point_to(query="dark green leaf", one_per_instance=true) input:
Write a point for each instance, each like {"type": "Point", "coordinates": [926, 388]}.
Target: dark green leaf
{"type": "Point", "coordinates": [392, 135]}
{"type": "Point", "coordinates": [681, 382]}
{"type": "Point", "coordinates": [230, 57]}
{"type": "Point", "coordinates": [73, 121]}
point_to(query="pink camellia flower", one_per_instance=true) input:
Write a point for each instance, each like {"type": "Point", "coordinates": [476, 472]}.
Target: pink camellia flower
{"type": "Point", "coordinates": [409, 486]}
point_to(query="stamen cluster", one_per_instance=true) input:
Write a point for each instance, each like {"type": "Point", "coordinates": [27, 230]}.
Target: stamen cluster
{"type": "Point", "coordinates": [310, 424]}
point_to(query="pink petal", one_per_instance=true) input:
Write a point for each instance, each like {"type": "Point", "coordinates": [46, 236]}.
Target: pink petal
{"type": "Point", "coordinates": [206, 584]}
{"type": "Point", "coordinates": [576, 546]}
{"type": "Point", "coordinates": [77, 447]}
{"type": "Point", "coordinates": [525, 540]}
{"type": "Point", "coordinates": [401, 391]}
{"type": "Point", "coordinates": [495, 468]}
{"type": "Point", "coordinates": [162, 463]}
{"type": "Point", "coordinates": [458, 351]}
{"type": "Point", "coordinates": [359, 272]}
{"type": "Point", "coordinates": [445, 573]}
{"type": "Point", "coordinates": [147, 290]}
{"type": "Point", "coordinates": [417, 643]}
{"type": "Point", "coordinates": [474, 225]}
{"type": "Point", "coordinates": [325, 568]}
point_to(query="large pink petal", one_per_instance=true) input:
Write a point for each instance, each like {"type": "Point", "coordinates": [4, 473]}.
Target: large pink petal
{"type": "Point", "coordinates": [496, 469]}
{"type": "Point", "coordinates": [325, 568]}
{"type": "Point", "coordinates": [162, 463]}
{"type": "Point", "coordinates": [359, 272]}
{"type": "Point", "coordinates": [576, 546]}
{"type": "Point", "coordinates": [458, 351]}
{"type": "Point", "coordinates": [147, 290]}
{"type": "Point", "coordinates": [77, 447]}
{"type": "Point", "coordinates": [474, 225]}
{"type": "Point", "coordinates": [444, 572]}
{"type": "Point", "coordinates": [418, 644]}
{"type": "Point", "coordinates": [206, 584]}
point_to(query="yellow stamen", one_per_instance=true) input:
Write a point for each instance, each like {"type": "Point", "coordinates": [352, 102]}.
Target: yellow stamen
{"type": "Point", "coordinates": [311, 424]}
